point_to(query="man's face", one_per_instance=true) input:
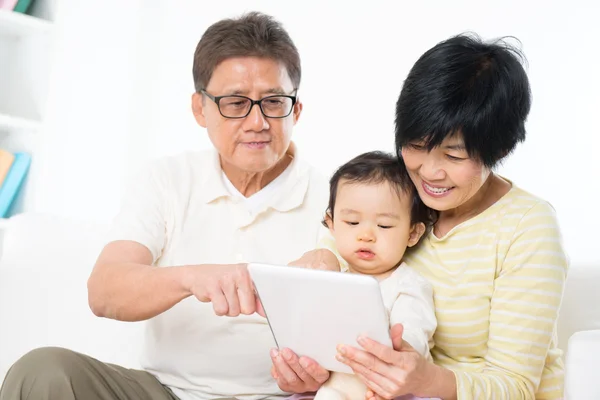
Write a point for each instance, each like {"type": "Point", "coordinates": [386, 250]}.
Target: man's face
{"type": "Point", "coordinates": [254, 143]}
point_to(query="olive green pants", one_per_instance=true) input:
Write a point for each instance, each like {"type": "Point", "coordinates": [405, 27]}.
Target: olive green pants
{"type": "Point", "coordinates": [53, 373]}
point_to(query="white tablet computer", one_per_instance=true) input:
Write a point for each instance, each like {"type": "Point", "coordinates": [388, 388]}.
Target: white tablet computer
{"type": "Point", "coordinates": [312, 311]}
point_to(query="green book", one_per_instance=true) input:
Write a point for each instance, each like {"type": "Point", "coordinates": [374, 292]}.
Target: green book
{"type": "Point", "coordinates": [22, 6]}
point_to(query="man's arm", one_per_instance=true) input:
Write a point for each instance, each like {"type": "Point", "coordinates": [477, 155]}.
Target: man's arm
{"type": "Point", "coordinates": [125, 286]}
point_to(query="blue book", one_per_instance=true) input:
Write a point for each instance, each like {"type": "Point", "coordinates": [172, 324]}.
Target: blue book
{"type": "Point", "coordinates": [12, 182]}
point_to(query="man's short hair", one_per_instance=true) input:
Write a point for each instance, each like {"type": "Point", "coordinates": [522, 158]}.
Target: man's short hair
{"type": "Point", "coordinates": [377, 167]}
{"type": "Point", "coordinates": [251, 35]}
{"type": "Point", "coordinates": [466, 86]}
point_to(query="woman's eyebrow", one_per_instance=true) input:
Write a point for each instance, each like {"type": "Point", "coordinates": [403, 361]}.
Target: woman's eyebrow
{"type": "Point", "coordinates": [458, 146]}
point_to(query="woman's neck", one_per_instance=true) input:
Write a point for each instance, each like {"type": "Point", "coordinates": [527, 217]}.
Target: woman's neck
{"type": "Point", "coordinates": [249, 183]}
{"type": "Point", "coordinates": [490, 192]}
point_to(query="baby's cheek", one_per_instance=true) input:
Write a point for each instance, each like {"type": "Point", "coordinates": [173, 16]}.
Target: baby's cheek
{"type": "Point", "coordinates": [344, 248]}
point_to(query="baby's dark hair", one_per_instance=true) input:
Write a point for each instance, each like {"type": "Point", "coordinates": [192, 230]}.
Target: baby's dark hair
{"type": "Point", "coordinates": [377, 167]}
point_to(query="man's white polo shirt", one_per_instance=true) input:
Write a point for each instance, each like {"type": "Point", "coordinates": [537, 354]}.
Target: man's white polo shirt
{"type": "Point", "coordinates": [184, 213]}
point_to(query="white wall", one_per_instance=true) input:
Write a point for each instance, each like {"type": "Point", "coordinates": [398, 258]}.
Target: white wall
{"type": "Point", "coordinates": [89, 115]}
{"type": "Point", "coordinates": [128, 87]}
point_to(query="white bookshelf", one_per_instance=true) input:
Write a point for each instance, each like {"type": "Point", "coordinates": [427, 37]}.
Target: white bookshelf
{"type": "Point", "coordinates": [17, 25]}
{"type": "Point", "coordinates": [13, 123]}
{"type": "Point", "coordinates": [25, 54]}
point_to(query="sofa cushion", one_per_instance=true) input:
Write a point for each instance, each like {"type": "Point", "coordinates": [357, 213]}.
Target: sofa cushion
{"type": "Point", "coordinates": [579, 310]}
{"type": "Point", "coordinates": [43, 293]}
{"type": "Point", "coordinates": [45, 239]}
{"type": "Point", "coordinates": [581, 380]}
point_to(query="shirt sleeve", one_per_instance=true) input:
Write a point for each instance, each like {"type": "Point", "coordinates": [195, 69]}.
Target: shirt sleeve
{"type": "Point", "coordinates": [415, 310]}
{"type": "Point", "coordinates": [142, 214]}
{"type": "Point", "coordinates": [527, 294]}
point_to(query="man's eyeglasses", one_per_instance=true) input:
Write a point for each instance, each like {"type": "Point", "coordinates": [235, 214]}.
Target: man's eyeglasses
{"type": "Point", "coordinates": [234, 106]}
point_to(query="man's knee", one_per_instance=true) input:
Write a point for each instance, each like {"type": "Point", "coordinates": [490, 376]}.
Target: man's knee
{"type": "Point", "coordinates": [46, 360]}
{"type": "Point", "coordinates": [39, 370]}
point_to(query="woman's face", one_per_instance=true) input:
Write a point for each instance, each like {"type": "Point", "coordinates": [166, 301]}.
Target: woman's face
{"type": "Point", "coordinates": [445, 177]}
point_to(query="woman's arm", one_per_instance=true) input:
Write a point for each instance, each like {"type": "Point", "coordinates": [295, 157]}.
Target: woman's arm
{"type": "Point", "coordinates": [524, 309]}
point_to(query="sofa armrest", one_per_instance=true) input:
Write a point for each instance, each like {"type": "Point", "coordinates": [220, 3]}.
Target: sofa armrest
{"type": "Point", "coordinates": [581, 381]}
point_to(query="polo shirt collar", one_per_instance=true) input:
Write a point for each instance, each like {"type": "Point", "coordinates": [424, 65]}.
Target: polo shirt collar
{"type": "Point", "coordinates": [290, 195]}
{"type": "Point", "coordinates": [213, 186]}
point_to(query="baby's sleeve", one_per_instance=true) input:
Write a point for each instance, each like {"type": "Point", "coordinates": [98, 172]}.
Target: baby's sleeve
{"type": "Point", "coordinates": [415, 310]}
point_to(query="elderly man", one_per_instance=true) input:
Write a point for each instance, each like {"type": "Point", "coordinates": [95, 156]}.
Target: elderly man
{"type": "Point", "coordinates": [186, 228]}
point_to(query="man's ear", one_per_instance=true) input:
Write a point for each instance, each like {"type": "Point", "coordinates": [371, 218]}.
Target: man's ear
{"type": "Point", "coordinates": [297, 111]}
{"type": "Point", "coordinates": [416, 231]}
{"type": "Point", "coordinates": [198, 109]}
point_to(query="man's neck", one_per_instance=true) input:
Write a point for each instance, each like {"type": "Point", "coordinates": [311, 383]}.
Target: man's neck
{"type": "Point", "coordinates": [249, 183]}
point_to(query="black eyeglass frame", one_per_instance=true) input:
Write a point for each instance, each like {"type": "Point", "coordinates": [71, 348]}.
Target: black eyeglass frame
{"type": "Point", "coordinates": [217, 99]}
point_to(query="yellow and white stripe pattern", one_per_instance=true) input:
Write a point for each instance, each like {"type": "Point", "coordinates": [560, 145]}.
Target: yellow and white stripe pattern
{"type": "Point", "coordinates": [498, 281]}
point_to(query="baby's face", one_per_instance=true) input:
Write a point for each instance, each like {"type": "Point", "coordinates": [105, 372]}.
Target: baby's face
{"type": "Point", "coordinates": [372, 226]}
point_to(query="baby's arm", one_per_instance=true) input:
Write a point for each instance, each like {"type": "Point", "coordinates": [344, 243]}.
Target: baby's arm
{"type": "Point", "coordinates": [342, 386]}
{"type": "Point", "coordinates": [415, 310]}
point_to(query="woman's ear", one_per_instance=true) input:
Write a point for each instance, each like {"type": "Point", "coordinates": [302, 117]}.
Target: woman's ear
{"type": "Point", "coordinates": [416, 231]}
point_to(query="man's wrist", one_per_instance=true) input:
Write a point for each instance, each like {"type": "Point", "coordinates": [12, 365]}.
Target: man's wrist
{"type": "Point", "coordinates": [187, 277]}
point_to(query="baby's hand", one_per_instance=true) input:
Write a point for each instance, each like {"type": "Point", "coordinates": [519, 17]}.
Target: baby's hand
{"type": "Point", "coordinates": [371, 395]}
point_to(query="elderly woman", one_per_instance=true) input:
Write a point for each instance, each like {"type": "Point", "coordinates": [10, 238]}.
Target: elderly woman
{"type": "Point", "coordinates": [494, 256]}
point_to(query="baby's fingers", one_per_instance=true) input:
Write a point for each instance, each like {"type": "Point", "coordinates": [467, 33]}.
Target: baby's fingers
{"type": "Point", "coordinates": [371, 395]}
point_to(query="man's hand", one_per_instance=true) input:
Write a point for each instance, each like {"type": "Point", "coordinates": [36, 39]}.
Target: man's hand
{"type": "Point", "coordinates": [228, 287]}
{"type": "Point", "coordinates": [296, 374]}
{"type": "Point", "coordinates": [318, 259]}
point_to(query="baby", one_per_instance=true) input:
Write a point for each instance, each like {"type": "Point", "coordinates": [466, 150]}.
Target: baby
{"type": "Point", "coordinates": [374, 215]}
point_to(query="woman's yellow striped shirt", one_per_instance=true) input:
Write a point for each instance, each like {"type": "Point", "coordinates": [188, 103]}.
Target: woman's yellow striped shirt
{"type": "Point", "coordinates": [498, 281]}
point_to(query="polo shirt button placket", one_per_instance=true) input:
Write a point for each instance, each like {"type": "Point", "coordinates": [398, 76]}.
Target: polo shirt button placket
{"type": "Point", "coordinates": [239, 257]}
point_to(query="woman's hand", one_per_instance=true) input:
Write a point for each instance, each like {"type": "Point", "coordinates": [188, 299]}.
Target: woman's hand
{"type": "Point", "coordinates": [389, 372]}
{"type": "Point", "coordinates": [296, 374]}
{"type": "Point", "coordinates": [318, 259]}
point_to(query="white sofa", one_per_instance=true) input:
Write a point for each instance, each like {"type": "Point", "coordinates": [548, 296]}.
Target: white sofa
{"type": "Point", "coordinates": [43, 302]}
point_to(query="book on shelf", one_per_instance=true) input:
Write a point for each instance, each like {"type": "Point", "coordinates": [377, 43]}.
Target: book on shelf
{"type": "Point", "coordinates": [7, 4]}
{"type": "Point", "coordinates": [20, 6]}
{"type": "Point", "coordinates": [17, 166]}
{"type": "Point", "coordinates": [6, 161]}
